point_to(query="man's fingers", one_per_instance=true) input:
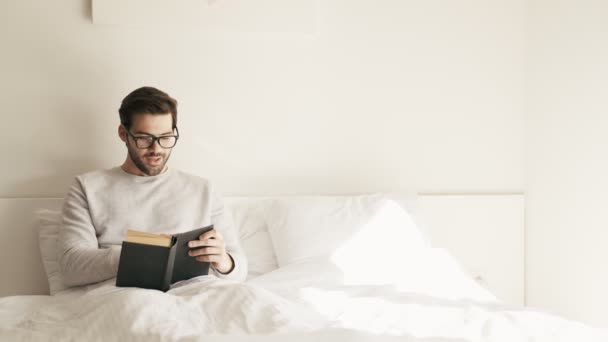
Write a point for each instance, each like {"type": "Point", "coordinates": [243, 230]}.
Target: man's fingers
{"type": "Point", "coordinates": [205, 243]}
{"type": "Point", "coordinates": [207, 235]}
{"type": "Point", "coordinates": [212, 234]}
{"type": "Point", "coordinates": [205, 251]}
{"type": "Point", "coordinates": [209, 258]}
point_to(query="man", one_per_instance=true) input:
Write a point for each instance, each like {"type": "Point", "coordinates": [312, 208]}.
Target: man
{"type": "Point", "coordinates": [144, 194]}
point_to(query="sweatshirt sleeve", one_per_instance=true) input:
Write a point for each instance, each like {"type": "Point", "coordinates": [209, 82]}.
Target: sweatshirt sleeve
{"type": "Point", "coordinates": [222, 220]}
{"type": "Point", "coordinates": [81, 260]}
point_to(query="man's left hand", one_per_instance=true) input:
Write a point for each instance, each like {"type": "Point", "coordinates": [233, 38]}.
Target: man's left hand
{"type": "Point", "coordinates": [210, 247]}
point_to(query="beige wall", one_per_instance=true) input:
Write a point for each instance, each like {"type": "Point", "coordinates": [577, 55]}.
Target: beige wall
{"type": "Point", "coordinates": [566, 159]}
{"type": "Point", "coordinates": [402, 94]}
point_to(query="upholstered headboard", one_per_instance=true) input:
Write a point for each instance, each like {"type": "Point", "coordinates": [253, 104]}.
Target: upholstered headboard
{"type": "Point", "coordinates": [485, 232]}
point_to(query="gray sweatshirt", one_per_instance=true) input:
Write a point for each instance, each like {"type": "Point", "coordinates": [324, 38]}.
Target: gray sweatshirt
{"type": "Point", "coordinates": [101, 205]}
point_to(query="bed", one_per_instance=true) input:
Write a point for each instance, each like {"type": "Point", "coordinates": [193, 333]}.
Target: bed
{"type": "Point", "coordinates": [362, 267]}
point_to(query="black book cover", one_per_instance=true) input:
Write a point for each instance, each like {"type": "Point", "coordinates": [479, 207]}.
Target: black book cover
{"type": "Point", "coordinates": [157, 267]}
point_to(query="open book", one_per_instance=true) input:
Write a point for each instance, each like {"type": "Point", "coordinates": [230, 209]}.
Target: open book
{"type": "Point", "coordinates": [155, 261]}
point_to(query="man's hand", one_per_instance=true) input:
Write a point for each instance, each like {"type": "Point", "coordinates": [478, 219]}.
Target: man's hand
{"type": "Point", "coordinates": [210, 247]}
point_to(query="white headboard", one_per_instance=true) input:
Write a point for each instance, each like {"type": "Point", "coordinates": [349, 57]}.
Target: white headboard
{"type": "Point", "coordinates": [485, 232]}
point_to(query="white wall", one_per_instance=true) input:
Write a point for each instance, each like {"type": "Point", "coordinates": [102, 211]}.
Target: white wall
{"type": "Point", "coordinates": [566, 159]}
{"type": "Point", "coordinates": [388, 94]}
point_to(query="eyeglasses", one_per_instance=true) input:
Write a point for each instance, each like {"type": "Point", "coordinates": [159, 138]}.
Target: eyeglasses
{"type": "Point", "coordinates": [146, 141]}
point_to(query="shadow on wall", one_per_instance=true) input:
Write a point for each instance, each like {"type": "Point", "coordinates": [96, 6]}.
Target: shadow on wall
{"type": "Point", "coordinates": [87, 9]}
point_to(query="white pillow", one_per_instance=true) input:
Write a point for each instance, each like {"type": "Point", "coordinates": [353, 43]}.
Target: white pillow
{"type": "Point", "coordinates": [49, 222]}
{"type": "Point", "coordinates": [260, 254]}
{"type": "Point", "coordinates": [249, 217]}
{"type": "Point", "coordinates": [359, 234]}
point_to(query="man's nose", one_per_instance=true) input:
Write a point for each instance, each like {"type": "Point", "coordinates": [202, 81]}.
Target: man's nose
{"type": "Point", "coordinates": [155, 146]}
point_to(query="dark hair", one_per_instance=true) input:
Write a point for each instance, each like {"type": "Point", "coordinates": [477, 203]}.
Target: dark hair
{"type": "Point", "coordinates": [146, 100]}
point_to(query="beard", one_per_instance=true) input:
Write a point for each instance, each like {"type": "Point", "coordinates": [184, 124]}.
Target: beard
{"type": "Point", "coordinates": [148, 170]}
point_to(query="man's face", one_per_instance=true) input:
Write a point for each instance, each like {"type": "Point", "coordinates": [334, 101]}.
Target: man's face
{"type": "Point", "coordinates": [150, 161]}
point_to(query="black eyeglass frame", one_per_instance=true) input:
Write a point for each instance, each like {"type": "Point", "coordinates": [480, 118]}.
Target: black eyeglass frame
{"type": "Point", "coordinates": [154, 139]}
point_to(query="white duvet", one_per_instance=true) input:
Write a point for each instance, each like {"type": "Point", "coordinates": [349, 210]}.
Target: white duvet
{"type": "Point", "coordinates": [308, 301]}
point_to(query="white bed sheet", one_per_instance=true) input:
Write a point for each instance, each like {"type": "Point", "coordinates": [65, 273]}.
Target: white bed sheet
{"type": "Point", "coordinates": [300, 302]}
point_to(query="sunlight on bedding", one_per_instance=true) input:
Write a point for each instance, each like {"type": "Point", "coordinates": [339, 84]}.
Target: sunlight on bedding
{"type": "Point", "coordinates": [377, 311]}
{"type": "Point", "coordinates": [382, 244]}
{"type": "Point", "coordinates": [390, 249]}
{"type": "Point", "coordinates": [380, 316]}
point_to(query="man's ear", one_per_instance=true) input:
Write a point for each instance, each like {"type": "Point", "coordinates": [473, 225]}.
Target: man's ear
{"type": "Point", "coordinates": [122, 133]}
